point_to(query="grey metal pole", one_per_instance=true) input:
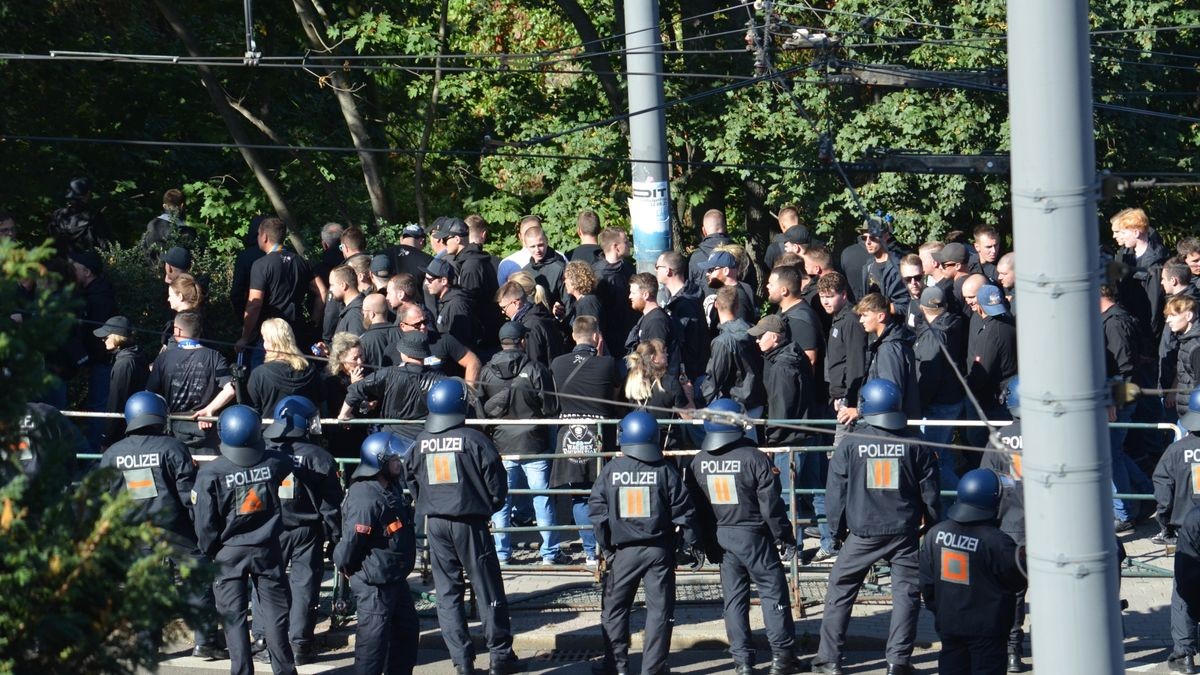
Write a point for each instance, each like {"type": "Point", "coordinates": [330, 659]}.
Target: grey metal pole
{"type": "Point", "coordinates": [1072, 561]}
{"type": "Point", "coordinates": [649, 207]}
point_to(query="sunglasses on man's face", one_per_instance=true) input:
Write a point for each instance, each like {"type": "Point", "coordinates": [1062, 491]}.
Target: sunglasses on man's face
{"type": "Point", "coordinates": [909, 280]}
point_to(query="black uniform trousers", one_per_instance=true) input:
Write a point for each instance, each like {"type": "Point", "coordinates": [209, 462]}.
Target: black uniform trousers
{"type": "Point", "coordinates": [455, 547]}
{"type": "Point", "coordinates": [845, 580]}
{"type": "Point", "coordinates": [1183, 629]}
{"type": "Point", "coordinates": [973, 655]}
{"type": "Point", "coordinates": [628, 567]}
{"type": "Point", "coordinates": [237, 567]}
{"type": "Point", "coordinates": [750, 556]}
{"type": "Point", "coordinates": [1016, 636]}
{"type": "Point", "coordinates": [302, 549]}
{"type": "Point", "coordinates": [388, 628]}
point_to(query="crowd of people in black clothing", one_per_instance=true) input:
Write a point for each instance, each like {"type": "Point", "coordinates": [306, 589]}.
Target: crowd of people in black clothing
{"type": "Point", "coordinates": [579, 336]}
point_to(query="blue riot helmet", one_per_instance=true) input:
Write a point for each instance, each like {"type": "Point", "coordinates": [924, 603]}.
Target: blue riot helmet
{"type": "Point", "coordinates": [882, 405]}
{"type": "Point", "coordinates": [447, 403]}
{"type": "Point", "coordinates": [377, 450]}
{"type": "Point", "coordinates": [978, 497]}
{"type": "Point", "coordinates": [1013, 397]}
{"type": "Point", "coordinates": [295, 417]}
{"type": "Point", "coordinates": [240, 429]}
{"type": "Point", "coordinates": [1191, 419]}
{"type": "Point", "coordinates": [723, 425]}
{"type": "Point", "coordinates": [638, 436]}
{"type": "Point", "coordinates": [145, 409]}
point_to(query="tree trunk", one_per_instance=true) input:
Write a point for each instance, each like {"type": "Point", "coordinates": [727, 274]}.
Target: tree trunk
{"type": "Point", "coordinates": [381, 202]}
{"type": "Point", "coordinates": [430, 118]}
{"type": "Point", "coordinates": [266, 130]}
{"type": "Point", "coordinates": [601, 64]}
{"type": "Point", "coordinates": [232, 122]}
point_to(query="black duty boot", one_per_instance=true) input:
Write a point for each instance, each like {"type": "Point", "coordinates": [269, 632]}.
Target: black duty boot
{"type": "Point", "coordinates": [210, 653]}
{"type": "Point", "coordinates": [1016, 664]}
{"type": "Point", "coordinates": [505, 667]}
{"type": "Point", "coordinates": [900, 669]}
{"type": "Point", "coordinates": [784, 663]}
{"type": "Point", "coordinates": [743, 669]}
{"type": "Point", "coordinates": [827, 669]}
{"type": "Point", "coordinates": [1181, 664]}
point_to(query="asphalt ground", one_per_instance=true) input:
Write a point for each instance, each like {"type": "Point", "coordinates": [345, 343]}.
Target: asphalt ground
{"type": "Point", "coordinates": [556, 622]}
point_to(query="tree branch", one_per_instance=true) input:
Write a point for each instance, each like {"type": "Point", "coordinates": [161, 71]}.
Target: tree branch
{"type": "Point", "coordinates": [216, 94]}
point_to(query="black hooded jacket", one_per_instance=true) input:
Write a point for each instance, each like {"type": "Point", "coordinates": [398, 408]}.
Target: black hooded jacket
{"type": "Point", "coordinates": [513, 386]}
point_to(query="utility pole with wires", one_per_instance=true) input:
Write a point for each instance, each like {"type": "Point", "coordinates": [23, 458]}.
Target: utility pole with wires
{"type": "Point", "coordinates": [1071, 545]}
{"type": "Point", "coordinates": [649, 207]}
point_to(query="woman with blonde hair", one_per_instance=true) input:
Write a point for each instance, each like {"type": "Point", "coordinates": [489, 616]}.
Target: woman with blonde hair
{"type": "Point", "coordinates": [284, 372]}
{"type": "Point", "coordinates": [533, 291]}
{"type": "Point", "coordinates": [649, 386]}
{"type": "Point", "coordinates": [345, 367]}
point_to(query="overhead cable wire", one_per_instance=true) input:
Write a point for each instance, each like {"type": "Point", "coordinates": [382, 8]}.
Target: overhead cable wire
{"type": "Point", "coordinates": [982, 32]}
{"type": "Point", "coordinates": [337, 149]}
{"type": "Point", "coordinates": [959, 83]}
{"type": "Point", "coordinates": [779, 80]}
{"type": "Point", "coordinates": [376, 68]}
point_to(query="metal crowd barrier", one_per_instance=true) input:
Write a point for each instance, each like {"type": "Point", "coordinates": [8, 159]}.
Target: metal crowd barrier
{"type": "Point", "coordinates": [797, 570]}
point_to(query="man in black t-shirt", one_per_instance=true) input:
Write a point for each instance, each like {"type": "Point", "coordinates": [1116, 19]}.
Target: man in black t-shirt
{"type": "Point", "coordinates": [446, 353]}
{"type": "Point", "coordinates": [278, 282]}
{"type": "Point", "coordinates": [193, 379]}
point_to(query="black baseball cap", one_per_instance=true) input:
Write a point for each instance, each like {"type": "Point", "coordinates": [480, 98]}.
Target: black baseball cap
{"type": "Point", "coordinates": [179, 258]}
{"type": "Point", "coordinates": [381, 266]}
{"type": "Point", "coordinates": [117, 325]}
{"type": "Point", "coordinates": [512, 332]}
{"type": "Point", "coordinates": [451, 227]}
{"type": "Point", "coordinates": [439, 267]}
{"type": "Point", "coordinates": [797, 234]}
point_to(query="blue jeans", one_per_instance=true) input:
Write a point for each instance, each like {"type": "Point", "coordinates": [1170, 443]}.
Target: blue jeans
{"type": "Point", "coordinates": [537, 474]}
{"type": "Point", "coordinates": [99, 376]}
{"type": "Point", "coordinates": [579, 510]}
{"type": "Point", "coordinates": [811, 469]}
{"type": "Point", "coordinates": [936, 434]}
{"type": "Point", "coordinates": [1127, 477]}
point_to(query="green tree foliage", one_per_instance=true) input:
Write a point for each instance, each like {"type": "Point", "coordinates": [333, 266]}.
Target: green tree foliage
{"type": "Point", "coordinates": [497, 145]}
{"type": "Point", "coordinates": [81, 588]}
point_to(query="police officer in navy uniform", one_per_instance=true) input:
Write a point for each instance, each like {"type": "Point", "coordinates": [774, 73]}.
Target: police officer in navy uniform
{"type": "Point", "coordinates": [1187, 581]}
{"type": "Point", "coordinates": [745, 529]}
{"type": "Point", "coordinates": [1007, 466]}
{"type": "Point", "coordinates": [311, 498]}
{"type": "Point", "coordinates": [458, 482]}
{"type": "Point", "coordinates": [882, 488]}
{"type": "Point", "coordinates": [1175, 491]}
{"type": "Point", "coordinates": [970, 577]}
{"type": "Point", "coordinates": [239, 524]}
{"type": "Point", "coordinates": [158, 472]}
{"type": "Point", "coordinates": [636, 504]}
{"type": "Point", "coordinates": [377, 551]}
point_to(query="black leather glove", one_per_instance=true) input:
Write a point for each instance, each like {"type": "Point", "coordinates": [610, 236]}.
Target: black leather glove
{"type": "Point", "coordinates": [787, 552]}
{"type": "Point", "coordinates": [329, 547]}
{"type": "Point", "coordinates": [697, 554]}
